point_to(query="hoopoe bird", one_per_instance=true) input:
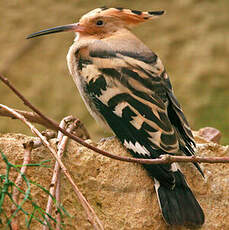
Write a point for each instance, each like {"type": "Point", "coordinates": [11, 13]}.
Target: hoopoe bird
{"type": "Point", "coordinates": [125, 85]}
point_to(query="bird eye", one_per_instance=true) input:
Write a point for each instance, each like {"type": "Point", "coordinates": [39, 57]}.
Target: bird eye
{"type": "Point", "coordinates": [99, 23]}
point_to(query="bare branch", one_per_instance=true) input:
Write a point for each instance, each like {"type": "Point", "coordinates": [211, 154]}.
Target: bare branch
{"type": "Point", "coordinates": [27, 156]}
{"type": "Point", "coordinates": [58, 216]}
{"type": "Point", "coordinates": [65, 123]}
{"type": "Point", "coordinates": [62, 141]}
{"type": "Point", "coordinates": [35, 118]}
{"type": "Point", "coordinates": [30, 116]}
{"type": "Point", "coordinates": [94, 220]}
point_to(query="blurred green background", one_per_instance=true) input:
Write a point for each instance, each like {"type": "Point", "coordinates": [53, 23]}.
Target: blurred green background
{"type": "Point", "coordinates": [191, 39]}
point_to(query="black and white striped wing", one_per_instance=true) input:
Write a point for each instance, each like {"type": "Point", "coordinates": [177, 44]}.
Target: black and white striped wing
{"type": "Point", "coordinates": [132, 97]}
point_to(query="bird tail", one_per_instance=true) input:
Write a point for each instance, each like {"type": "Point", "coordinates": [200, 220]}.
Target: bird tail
{"type": "Point", "coordinates": [178, 205]}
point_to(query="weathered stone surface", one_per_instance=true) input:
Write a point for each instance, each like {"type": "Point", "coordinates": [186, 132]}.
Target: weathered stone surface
{"type": "Point", "coordinates": [210, 134]}
{"type": "Point", "coordinates": [121, 193]}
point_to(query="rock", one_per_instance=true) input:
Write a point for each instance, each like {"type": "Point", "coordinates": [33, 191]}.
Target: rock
{"type": "Point", "coordinates": [121, 193]}
{"type": "Point", "coordinates": [210, 134]}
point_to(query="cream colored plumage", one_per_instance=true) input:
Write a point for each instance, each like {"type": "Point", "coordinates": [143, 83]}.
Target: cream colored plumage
{"type": "Point", "coordinates": [125, 85]}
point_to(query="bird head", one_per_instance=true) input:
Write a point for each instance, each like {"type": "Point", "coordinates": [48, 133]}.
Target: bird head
{"type": "Point", "coordinates": [103, 21]}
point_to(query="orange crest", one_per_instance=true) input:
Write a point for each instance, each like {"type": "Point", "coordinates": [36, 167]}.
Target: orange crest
{"type": "Point", "coordinates": [128, 16]}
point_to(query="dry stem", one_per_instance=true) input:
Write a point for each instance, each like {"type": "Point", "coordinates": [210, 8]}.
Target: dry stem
{"type": "Point", "coordinates": [35, 118]}
{"type": "Point", "coordinates": [27, 156]}
{"type": "Point", "coordinates": [58, 216]}
{"type": "Point", "coordinates": [30, 116]}
{"type": "Point", "coordinates": [62, 141]}
{"type": "Point", "coordinates": [61, 148]}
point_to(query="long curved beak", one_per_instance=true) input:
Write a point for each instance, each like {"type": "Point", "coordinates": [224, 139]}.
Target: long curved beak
{"type": "Point", "coordinates": [70, 27]}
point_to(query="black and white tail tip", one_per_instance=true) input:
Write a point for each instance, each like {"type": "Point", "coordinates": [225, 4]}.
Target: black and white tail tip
{"type": "Point", "coordinates": [178, 205]}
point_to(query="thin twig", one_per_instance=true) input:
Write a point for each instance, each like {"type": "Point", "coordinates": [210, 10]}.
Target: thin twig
{"type": "Point", "coordinates": [30, 116]}
{"type": "Point", "coordinates": [165, 160]}
{"type": "Point", "coordinates": [27, 156]}
{"type": "Point", "coordinates": [61, 148]}
{"type": "Point", "coordinates": [49, 134]}
{"type": "Point", "coordinates": [35, 118]}
{"type": "Point", "coordinates": [92, 217]}
{"type": "Point", "coordinates": [58, 216]}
